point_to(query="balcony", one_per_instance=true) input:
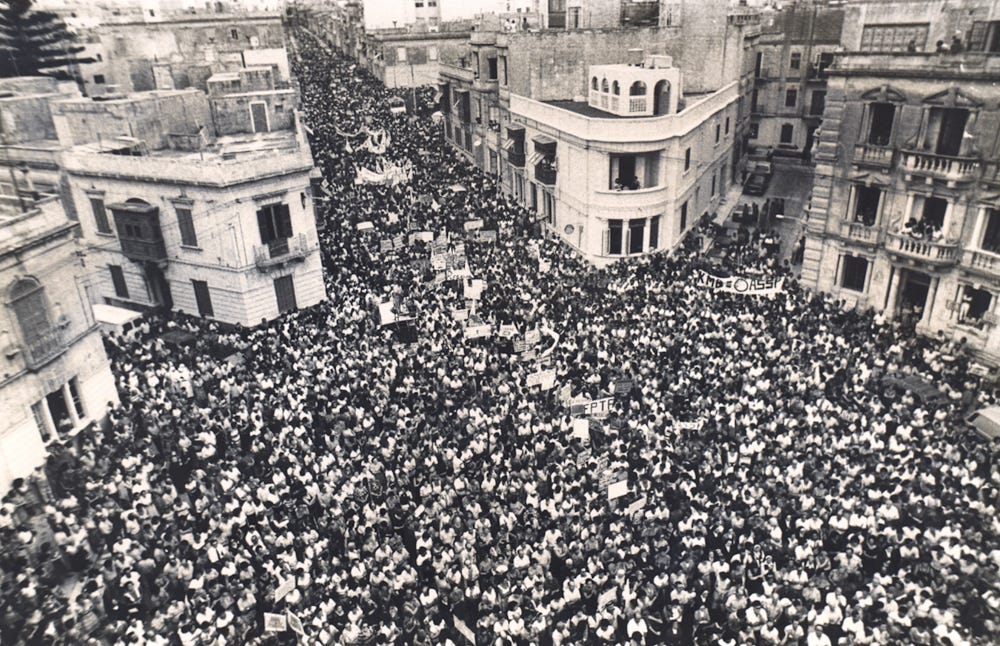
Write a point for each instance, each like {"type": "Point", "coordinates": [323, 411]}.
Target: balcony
{"type": "Point", "coordinates": [545, 174]}
{"type": "Point", "coordinates": [515, 159]}
{"type": "Point", "coordinates": [991, 173]}
{"type": "Point", "coordinates": [954, 170]}
{"type": "Point", "coordinates": [858, 232]}
{"type": "Point", "coordinates": [982, 262]}
{"type": "Point", "coordinates": [144, 250]}
{"type": "Point", "coordinates": [280, 252]}
{"type": "Point", "coordinates": [924, 251]}
{"type": "Point", "coordinates": [44, 348]}
{"type": "Point", "coordinates": [873, 156]}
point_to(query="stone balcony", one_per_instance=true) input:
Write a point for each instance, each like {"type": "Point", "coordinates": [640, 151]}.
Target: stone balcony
{"type": "Point", "coordinates": [872, 156]}
{"type": "Point", "coordinates": [923, 252]}
{"type": "Point", "coordinates": [858, 232]}
{"type": "Point", "coordinates": [281, 252]}
{"type": "Point", "coordinates": [982, 262]}
{"type": "Point", "coordinates": [930, 166]}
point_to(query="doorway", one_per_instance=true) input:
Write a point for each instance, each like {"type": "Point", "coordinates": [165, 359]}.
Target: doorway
{"type": "Point", "coordinates": [159, 287]}
{"type": "Point", "coordinates": [913, 296]}
{"type": "Point", "coordinates": [661, 98]}
{"type": "Point", "coordinates": [258, 116]}
{"type": "Point", "coordinates": [284, 289]}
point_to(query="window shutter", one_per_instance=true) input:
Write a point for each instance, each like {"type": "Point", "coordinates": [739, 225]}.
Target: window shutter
{"type": "Point", "coordinates": [284, 221]}
{"type": "Point", "coordinates": [264, 224]}
{"type": "Point", "coordinates": [607, 241]}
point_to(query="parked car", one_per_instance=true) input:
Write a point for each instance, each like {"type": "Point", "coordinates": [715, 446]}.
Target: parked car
{"type": "Point", "coordinates": [757, 184]}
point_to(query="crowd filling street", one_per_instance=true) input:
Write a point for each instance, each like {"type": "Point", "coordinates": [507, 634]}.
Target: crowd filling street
{"type": "Point", "coordinates": [531, 451]}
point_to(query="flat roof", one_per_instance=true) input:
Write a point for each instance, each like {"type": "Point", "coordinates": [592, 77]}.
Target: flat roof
{"type": "Point", "coordinates": [584, 108]}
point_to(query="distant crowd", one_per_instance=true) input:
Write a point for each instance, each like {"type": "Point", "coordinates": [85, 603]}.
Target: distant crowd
{"type": "Point", "coordinates": [751, 471]}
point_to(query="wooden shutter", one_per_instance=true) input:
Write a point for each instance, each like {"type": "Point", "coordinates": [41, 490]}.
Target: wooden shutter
{"type": "Point", "coordinates": [265, 225]}
{"type": "Point", "coordinates": [284, 220]}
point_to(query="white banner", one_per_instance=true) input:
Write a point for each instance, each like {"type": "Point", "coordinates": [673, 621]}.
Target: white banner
{"type": "Point", "coordinates": [754, 285]}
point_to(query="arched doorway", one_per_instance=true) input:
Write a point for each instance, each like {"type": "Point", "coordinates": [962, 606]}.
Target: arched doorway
{"type": "Point", "coordinates": [661, 98]}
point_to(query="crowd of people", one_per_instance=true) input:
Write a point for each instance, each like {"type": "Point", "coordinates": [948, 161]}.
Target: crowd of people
{"type": "Point", "coordinates": [325, 478]}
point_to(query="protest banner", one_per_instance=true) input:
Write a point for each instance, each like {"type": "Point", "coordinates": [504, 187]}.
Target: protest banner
{"type": "Point", "coordinates": [460, 314]}
{"type": "Point", "coordinates": [542, 378]}
{"type": "Point", "coordinates": [421, 236]}
{"type": "Point", "coordinates": [294, 623]}
{"type": "Point", "coordinates": [399, 242]}
{"type": "Point", "coordinates": [473, 225]}
{"type": "Point", "coordinates": [473, 288]}
{"type": "Point", "coordinates": [532, 337]}
{"type": "Point", "coordinates": [607, 597]}
{"type": "Point", "coordinates": [599, 408]}
{"type": "Point", "coordinates": [636, 506]}
{"type": "Point", "coordinates": [750, 285]}
{"type": "Point", "coordinates": [478, 331]}
{"type": "Point", "coordinates": [465, 631]}
{"type": "Point", "coordinates": [623, 386]}
{"type": "Point", "coordinates": [519, 346]}
{"type": "Point", "coordinates": [693, 425]}
{"type": "Point", "coordinates": [487, 235]}
{"type": "Point", "coordinates": [275, 623]}
{"type": "Point", "coordinates": [438, 263]}
{"type": "Point", "coordinates": [284, 588]}
{"type": "Point", "coordinates": [617, 489]}
{"type": "Point", "coordinates": [507, 331]}
{"type": "Point", "coordinates": [365, 226]}
{"type": "Point", "coordinates": [581, 429]}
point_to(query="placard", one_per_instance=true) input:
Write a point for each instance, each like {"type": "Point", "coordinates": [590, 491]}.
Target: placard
{"type": "Point", "coordinates": [464, 630]}
{"type": "Point", "coordinates": [617, 489]}
{"type": "Point", "coordinates": [399, 241]}
{"type": "Point", "coordinates": [275, 623]}
{"type": "Point", "coordinates": [295, 624]}
{"type": "Point", "coordinates": [507, 331]}
{"type": "Point", "coordinates": [607, 597]}
{"type": "Point", "coordinates": [478, 331]}
{"type": "Point", "coordinates": [532, 337]}
{"type": "Point", "coordinates": [460, 314]}
{"type": "Point", "coordinates": [284, 588]}
{"type": "Point", "coordinates": [487, 235]}
{"type": "Point", "coordinates": [542, 378]}
{"type": "Point", "coordinates": [599, 408]}
{"type": "Point", "coordinates": [519, 346]}
{"type": "Point", "coordinates": [385, 245]}
{"type": "Point", "coordinates": [473, 288]}
{"type": "Point", "coordinates": [365, 226]}
{"type": "Point", "coordinates": [623, 386]}
{"type": "Point", "coordinates": [693, 425]}
{"type": "Point", "coordinates": [751, 285]}
{"type": "Point", "coordinates": [473, 225]}
{"type": "Point", "coordinates": [581, 429]}
{"type": "Point", "coordinates": [636, 506]}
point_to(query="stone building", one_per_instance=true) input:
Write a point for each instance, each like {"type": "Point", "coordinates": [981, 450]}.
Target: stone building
{"type": "Point", "coordinates": [54, 374]}
{"type": "Point", "coordinates": [524, 106]}
{"type": "Point", "coordinates": [905, 213]}
{"type": "Point", "coordinates": [196, 202]}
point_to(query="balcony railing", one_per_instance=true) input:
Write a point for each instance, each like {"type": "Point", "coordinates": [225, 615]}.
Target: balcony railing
{"type": "Point", "coordinates": [545, 174]}
{"type": "Point", "coordinates": [143, 250]}
{"type": "Point", "coordinates": [943, 167]}
{"type": "Point", "coordinates": [637, 104]}
{"type": "Point", "coordinates": [982, 261]}
{"type": "Point", "coordinates": [515, 159]}
{"type": "Point", "coordinates": [282, 251]}
{"type": "Point", "coordinates": [44, 348]}
{"type": "Point", "coordinates": [861, 232]}
{"type": "Point", "coordinates": [937, 253]}
{"type": "Point", "coordinates": [872, 155]}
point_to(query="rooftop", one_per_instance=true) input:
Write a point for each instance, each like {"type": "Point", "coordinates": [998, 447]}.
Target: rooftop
{"type": "Point", "coordinates": [930, 65]}
{"type": "Point", "coordinates": [227, 148]}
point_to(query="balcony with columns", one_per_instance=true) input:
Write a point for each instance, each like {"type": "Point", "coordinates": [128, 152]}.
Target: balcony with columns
{"type": "Point", "coordinates": [871, 156]}
{"type": "Point", "coordinates": [926, 252]}
{"type": "Point", "coordinates": [985, 263]}
{"type": "Point", "coordinates": [930, 166]}
{"type": "Point", "coordinates": [860, 232]}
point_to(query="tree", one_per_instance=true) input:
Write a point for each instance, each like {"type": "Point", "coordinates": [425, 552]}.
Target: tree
{"type": "Point", "coordinates": [35, 42]}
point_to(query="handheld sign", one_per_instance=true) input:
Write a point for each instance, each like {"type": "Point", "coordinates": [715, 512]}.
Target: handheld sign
{"type": "Point", "coordinates": [581, 429]}
{"type": "Point", "coordinates": [465, 631]}
{"type": "Point", "coordinates": [295, 624]}
{"type": "Point", "coordinates": [532, 337]}
{"type": "Point", "coordinates": [274, 623]}
{"type": "Point", "coordinates": [284, 588]}
{"type": "Point", "coordinates": [508, 331]}
{"type": "Point", "coordinates": [607, 597]}
{"type": "Point", "coordinates": [617, 489]}
{"type": "Point", "coordinates": [460, 314]}
{"type": "Point", "coordinates": [473, 225]}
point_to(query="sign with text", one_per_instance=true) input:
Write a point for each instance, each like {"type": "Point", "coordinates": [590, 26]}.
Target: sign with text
{"type": "Point", "coordinates": [477, 331]}
{"type": "Point", "coordinates": [598, 408]}
{"type": "Point", "coordinates": [751, 285]}
{"type": "Point", "coordinates": [581, 429]}
{"type": "Point", "coordinates": [532, 337]}
{"type": "Point", "coordinates": [623, 386]}
{"type": "Point", "coordinates": [508, 331]}
{"type": "Point", "coordinates": [460, 314]}
{"type": "Point", "coordinates": [693, 425]}
{"type": "Point", "coordinates": [295, 624]}
{"type": "Point", "coordinates": [275, 623]}
{"type": "Point", "coordinates": [487, 235]}
{"type": "Point", "coordinates": [473, 288]}
{"type": "Point", "coordinates": [385, 245]}
{"type": "Point", "coordinates": [607, 597]}
{"type": "Point", "coordinates": [546, 379]}
{"type": "Point", "coordinates": [473, 225]}
{"type": "Point", "coordinates": [617, 489]}
{"type": "Point", "coordinates": [284, 588]}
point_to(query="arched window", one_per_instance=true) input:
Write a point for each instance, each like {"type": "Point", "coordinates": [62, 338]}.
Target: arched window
{"type": "Point", "coordinates": [615, 89]}
{"type": "Point", "coordinates": [638, 89]}
{"type": "Point", "coordinates": [593, 84]}
{"type": "Point", "coordinates": [31, 310]}
{"type": "Point", "coordinates": [604, 85]}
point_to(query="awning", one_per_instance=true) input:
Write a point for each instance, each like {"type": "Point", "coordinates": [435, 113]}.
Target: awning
{"type": "Point", "coordinates": [515, 129]}
{"type": "Point", "coordinates": [545, 145]}
{"type": "Point", "coordinates": [986, 422]}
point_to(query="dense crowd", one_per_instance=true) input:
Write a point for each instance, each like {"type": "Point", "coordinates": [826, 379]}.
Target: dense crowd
{"type": "Point", "coordinates": [402, 484]}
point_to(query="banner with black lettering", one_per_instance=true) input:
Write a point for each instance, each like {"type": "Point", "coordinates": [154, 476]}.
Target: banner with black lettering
{"type": "Point", "coordinates": [750, 285]}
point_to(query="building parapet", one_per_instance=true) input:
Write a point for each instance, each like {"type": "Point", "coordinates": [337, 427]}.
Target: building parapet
{"type": "Point", "coordinates": [982, 262]}
{"type": "Point", "coordinates": [926, 251]}
{"type": "Point", "coordinates": [874, 156]}
{"type": "Point", "coordinates": [917, 65]}
{"type": "Point", "coordinates": [859, 232]}
{"type": "Point", "coordinates": [951, 169]}
{"type": "Point", "coordinates": [455, 72]}
{"type": "Point", "coordinates": [617, 129]}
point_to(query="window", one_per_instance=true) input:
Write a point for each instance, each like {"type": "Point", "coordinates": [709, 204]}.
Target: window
{"type": "Point", "coordinates": [186, 224]}
{"type": "Point", "coordinates": [753, 130]}
{"type": "Point", "coordinates": [491, 63]}
{"type": "Point", "coordinates": [684, 216]}
{"type": "Point", "coordinates": [985, 37]}
{"type": "Point", "coordinates": [99, 79]}
{"type": "Point", "coordinates": [74, 393]}
{"type": "Point", "coordinates": [573, 21]}
{"type": "Point", "coordinates": [727, 125]}
{"type": "Point", "coordinates": [881, 117]}
{"type": "Point", "coordinates": [796, 61]}
{"type": "Point", "coordinates": [974, 305]}
{"type": "Point", "coordinates": [687, 159]}
{"type": "Point", "coordinates": [41, 420]}
{"type": "Point", "coordinates": [593, 84]}
{"type": "Point", "coordinates": [100, 215]}
{"type": "Point", "coordinates": [632, 172]}
{"type": "Point", "coordinates": [432, 53]}
{"type": "Point", "coordinates": [934, 211]}
{"type": "Point", "coordinates": [791, 97]}
{"type": "Point", "coordinates": [636, 229]}
{"type": "Point", "coordinates": [118, 280]}
{"type": "Point", "coordinates": [31, 310]}
{"type": "Point", "coordinates": [275, 225]}
{"type": "Point", "coordinates": [234, 34]}
{"type": "Point", "coordinates": [614, 237]}
{"type": "Point", "coordinates": [654, 232]}
{"type": "Point", "coordinates": [418, 5]}
{"type": "Point", "coordinates": [945, 130]}
{"type": "Point", "coordinates": [615, 88]}
{"type": "Point", "coordinates": [753, 101]}
{"type": "Point", "coordinates": [638, 89]}
{"type": "Point", "coordinates": [787, 131]}
{"type": "Point", "coordinates": [503, 69]}
{"type": "Point", "coordinates": [991, 232]}
{"type": "Point", "coordinates": [400, 54]}
{"type": "Point", "coordinates": [866, 203]}
{"type": "Point", "coordinates": [854, 273]}
{"type": "Point", "coordinates": [718, 133]}
{"type": "Point", "coordinates": [548, 207]}
{"type": "Point", "coordinates": [894, 38]}
{"type": "Point", "coordinates": [604, 85]}
{"type": "Point", "coordinates": [203, 298]}
{"type": "Point", "coordinates": [818, 103]}
{"type": "Point", "coordinates": [713, 183]}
